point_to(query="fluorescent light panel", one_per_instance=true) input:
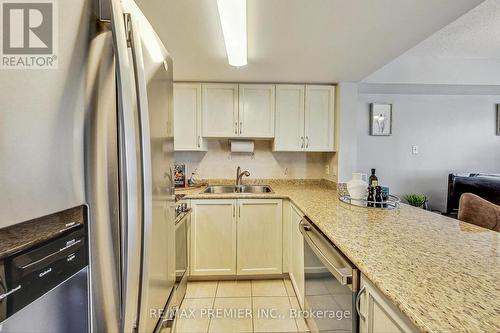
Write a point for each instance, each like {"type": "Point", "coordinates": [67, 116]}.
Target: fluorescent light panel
{"type": "Point", "coordinates": [233, 19]}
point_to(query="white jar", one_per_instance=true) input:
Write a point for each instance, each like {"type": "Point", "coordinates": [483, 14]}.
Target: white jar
{"type": "Point", "coordinates": [358, 186]}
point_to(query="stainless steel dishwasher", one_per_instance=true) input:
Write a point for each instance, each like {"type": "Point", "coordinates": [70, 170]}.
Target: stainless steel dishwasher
{"type": "Point", "coordinates": [331, 284]}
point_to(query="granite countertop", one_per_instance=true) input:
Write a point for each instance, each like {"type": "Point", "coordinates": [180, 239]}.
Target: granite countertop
{"type": "Point", "coordinates": [443, 274]}
{"type": "Point", "coordinates": [19, 237]}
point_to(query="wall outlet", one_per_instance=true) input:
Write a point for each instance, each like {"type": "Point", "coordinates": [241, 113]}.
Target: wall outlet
{"type": "Point", "coordinates": [414, 150]}
{"type": "Point", "coordinates": [327, 169]}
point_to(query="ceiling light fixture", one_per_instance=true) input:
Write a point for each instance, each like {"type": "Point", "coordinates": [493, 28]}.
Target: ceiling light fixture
{"type": "Point", "coordinates": [233, 19]}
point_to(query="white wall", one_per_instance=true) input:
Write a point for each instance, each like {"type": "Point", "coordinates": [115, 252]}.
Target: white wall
{"type": "Point", "coordinates": [453, 133]}
{"type": "Point", "coordinates": [219, 163]}
{"type": "Point", "coordinates": [346, 134]}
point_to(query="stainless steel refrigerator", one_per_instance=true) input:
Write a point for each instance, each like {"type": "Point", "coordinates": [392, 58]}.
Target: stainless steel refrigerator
{"type": "Point", "coordinates": [98, 130]}
{"type": "Point", "coordinates": [130, 187]}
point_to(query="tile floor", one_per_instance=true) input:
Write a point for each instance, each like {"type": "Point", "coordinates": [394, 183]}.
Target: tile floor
{"type": "Point", "coordinates": [239, 306]}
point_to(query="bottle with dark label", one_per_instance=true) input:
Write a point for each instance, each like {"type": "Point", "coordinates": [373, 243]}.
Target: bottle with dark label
{"type": "Point", "coordinates": [371, 197]}
{"type": "Point", "coordinates": [373, 180]}
{"type": "Point", "coordinates": [378, 196]}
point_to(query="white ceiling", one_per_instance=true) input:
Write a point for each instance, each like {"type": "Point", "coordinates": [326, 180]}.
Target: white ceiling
{"type": "Point", "coordinates": [467, 52]}
{"type": "Point", "coordinates": [476, 35]}
{"type": "Point", "coordinates": [298, 40]}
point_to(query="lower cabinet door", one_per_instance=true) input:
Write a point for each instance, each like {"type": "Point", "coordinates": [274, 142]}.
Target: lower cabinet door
{"type": "Point", "coordinates": [296, 265]}
{"type": "Point", "coordinates": [213, 237]}
{"type": "Point", "coordinates": [259, 237]}
{"type": "Point", "coordinates": [379, 315]}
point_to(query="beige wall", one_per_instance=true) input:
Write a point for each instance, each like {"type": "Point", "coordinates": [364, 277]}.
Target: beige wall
{"type": "Point", "coordinates": [219, 163]}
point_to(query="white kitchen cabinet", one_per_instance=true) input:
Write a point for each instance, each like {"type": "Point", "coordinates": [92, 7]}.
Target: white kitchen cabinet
{"type": "Point", "coordinates": [219, 110]}
{"type": "Point", "coordinates": [305, 118]}
{"type": "Point", "coordinates": [289, 133]}
{"type": "Point", "coordinates": [259, 230]}
{"type": "Point", "coordinates": [379, 315]}
{"type": "Point", "coordinates": [256, 110]}
{"type": "Point", "coordinates": [236, 237]}
{"type": "Point", "coordinates": [296, 264]}
{"type": "Point", "coordinates": [213, 237]}
{"type": "Point", "coordinates": [187, 115]}
{"type": "Point", "coordinates": [319, 118]}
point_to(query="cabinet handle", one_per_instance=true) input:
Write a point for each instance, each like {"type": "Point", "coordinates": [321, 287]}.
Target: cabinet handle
{"type": "Point", "coordinates": [199, 141]}
{"type": "Point", "coordinates": [234, 211]}
{"type": "Point", "coordinates": [239, 211]}
{"type": "Point", "coordinates": [241, 127]}
{"type": "Point", "coordinates": [358, 300]}
{"type": "Point", "coordinates": [235, 127]}
{"type": "Point", "coordinates": [301, 142]}
{"type": "Point", "coordinates": [307, 142]}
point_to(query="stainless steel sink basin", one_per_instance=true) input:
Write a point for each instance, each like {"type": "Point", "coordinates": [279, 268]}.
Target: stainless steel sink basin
{"type": "Point", "coordinates": [220, 189]}
{"type": "Point", "coordinates": [254, 189]}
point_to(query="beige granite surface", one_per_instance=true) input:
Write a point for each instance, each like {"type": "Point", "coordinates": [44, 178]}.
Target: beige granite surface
{"type": "Point", "coordinates": [443, 274]}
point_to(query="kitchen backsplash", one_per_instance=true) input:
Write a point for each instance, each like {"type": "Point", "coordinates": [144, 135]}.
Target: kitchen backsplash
{"type": "Point", "coordinates": [219, 163]}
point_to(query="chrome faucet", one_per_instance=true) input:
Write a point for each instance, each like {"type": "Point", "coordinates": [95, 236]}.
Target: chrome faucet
{"type": "Point", "coordinates": [240, 175]}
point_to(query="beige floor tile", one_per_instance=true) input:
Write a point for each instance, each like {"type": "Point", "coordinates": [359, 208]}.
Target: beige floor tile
{"type": "Point", "coordinates": [268, 288]}
{"type": "Point", "coordinates": [232, 314]}
{"type": "Point", "coordinates": [316, 286]}
{"type": "Point", "coordinates": [289, 287]}
{"type": "Point", "coordinates": [299, 319]}
{"type": "Point", "coordinates": [238, 288]}
{"type": "Point", "coordinates": [201, 289]}
{"type": "Point", "coordinates": [272, 314]}
{"type": "Point", "coordinates": [328, 303]}
{"type": "Point", "coordinates": [193, 315]}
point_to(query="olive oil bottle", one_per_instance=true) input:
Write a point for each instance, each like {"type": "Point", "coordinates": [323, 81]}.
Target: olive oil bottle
{"type": "Point", "coordinates": [373, 180]}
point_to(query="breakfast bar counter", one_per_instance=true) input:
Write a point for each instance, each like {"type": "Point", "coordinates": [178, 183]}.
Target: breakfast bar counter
{"type": "Point", "coordinates": [441, 273]}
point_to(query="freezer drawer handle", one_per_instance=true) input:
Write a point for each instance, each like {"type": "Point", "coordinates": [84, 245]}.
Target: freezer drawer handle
{"type": "Point", "coordinates": [340, 273]}
{"type": "Point", "coordinates": [10, 292]}
{"type": "Point", "coordinates": [69, 244]}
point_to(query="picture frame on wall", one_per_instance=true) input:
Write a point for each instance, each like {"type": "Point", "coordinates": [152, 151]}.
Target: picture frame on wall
{"type": "Point", "coordinates": [380, 119]}
{"type": "Point", "coordinates": [498, 119]}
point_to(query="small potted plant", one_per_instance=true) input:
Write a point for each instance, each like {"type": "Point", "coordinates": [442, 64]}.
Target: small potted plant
{"type": "Point", "coordinates": [416, 200]}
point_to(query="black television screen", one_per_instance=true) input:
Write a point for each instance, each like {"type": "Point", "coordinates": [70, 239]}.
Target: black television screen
{"type": "Point", "coordinates": [487, 186]}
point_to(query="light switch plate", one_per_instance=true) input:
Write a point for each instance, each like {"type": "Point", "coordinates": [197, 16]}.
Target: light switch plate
{"type": "Point", "coordinates": [414, 150]}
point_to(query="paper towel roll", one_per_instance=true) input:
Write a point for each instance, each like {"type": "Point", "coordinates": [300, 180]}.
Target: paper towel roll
{"type": "Point", "coordinates": [238, 146]}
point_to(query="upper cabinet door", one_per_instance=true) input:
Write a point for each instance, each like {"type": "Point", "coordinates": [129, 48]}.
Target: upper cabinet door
{"type": "Point", "coordinates": [220, 110]}
{"type": "Point", "coordinates": [319, 118]}
{"type": "Point", "coordinates": [187, 115]}
{"type": "Point", "coordinates": [256, 111]}
{"type": "Point", "coordinates": [289, 133]}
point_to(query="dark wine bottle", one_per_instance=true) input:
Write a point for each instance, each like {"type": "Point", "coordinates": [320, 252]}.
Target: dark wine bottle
{"type": "Point", "coordinates": [373, 180]}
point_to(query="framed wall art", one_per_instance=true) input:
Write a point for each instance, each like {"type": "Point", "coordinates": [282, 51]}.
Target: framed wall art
{"type": "Point", "coordinates": [380, 119]}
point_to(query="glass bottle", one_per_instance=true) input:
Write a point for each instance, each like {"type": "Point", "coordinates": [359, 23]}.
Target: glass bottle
{"type": "Point", "coordinates": [373, 180]}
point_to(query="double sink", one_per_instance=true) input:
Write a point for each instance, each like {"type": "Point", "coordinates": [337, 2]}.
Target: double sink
{"type": "Point", "coordinates": [221, 189]}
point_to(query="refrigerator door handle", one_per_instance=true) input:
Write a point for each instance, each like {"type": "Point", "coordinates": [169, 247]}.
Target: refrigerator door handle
{"type": "Point", "coordinates": [145, 156]}
{"type": "Point", "coordinates": [129, 174]}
